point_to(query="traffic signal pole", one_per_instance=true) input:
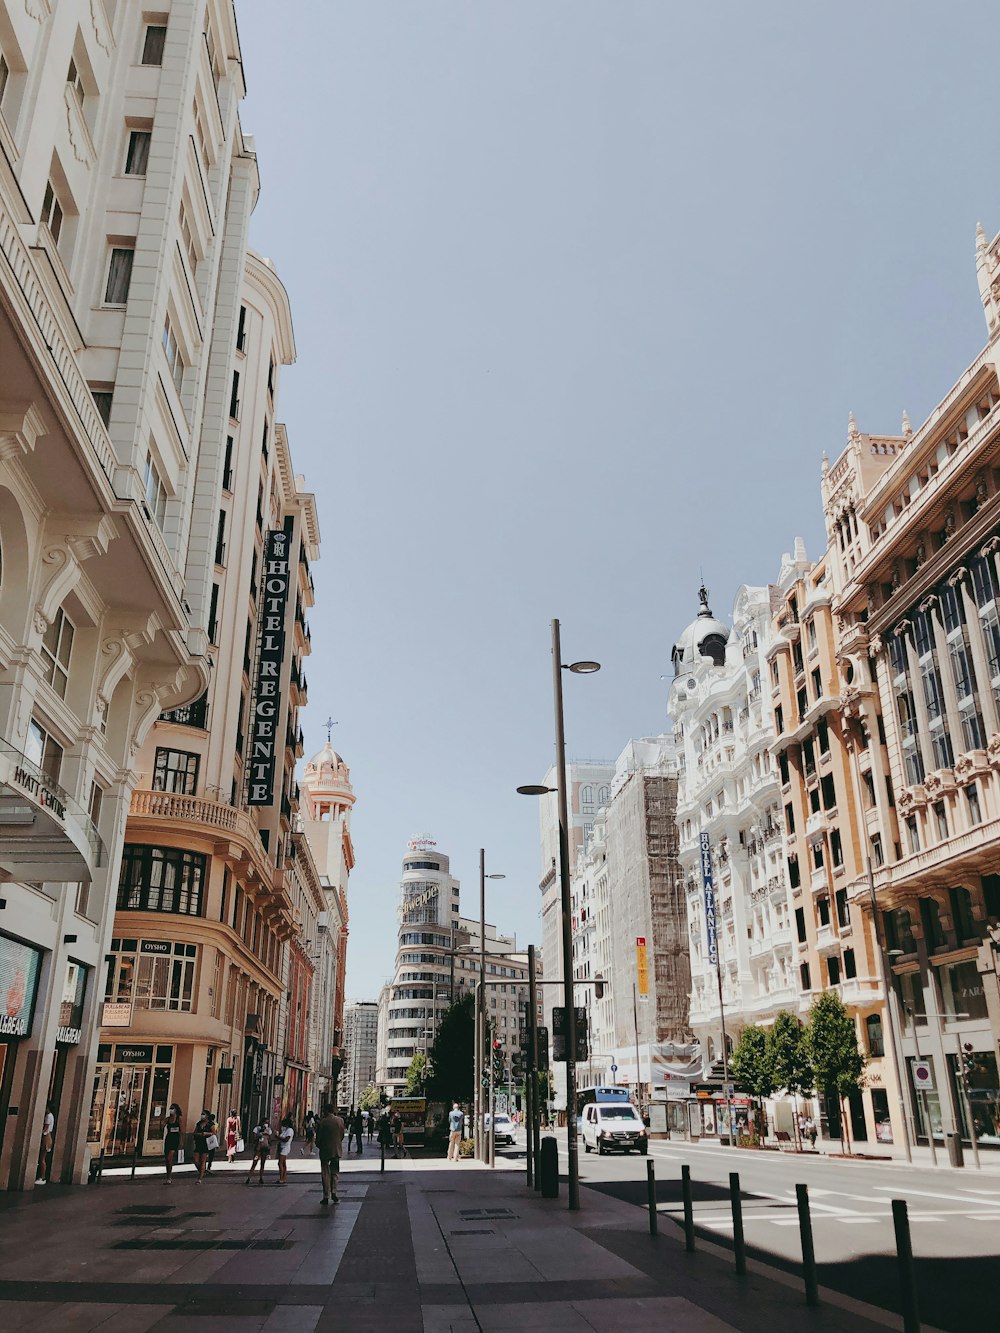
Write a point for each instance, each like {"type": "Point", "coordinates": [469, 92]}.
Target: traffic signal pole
{"type": "Point", "coordinates": [535, 1123]}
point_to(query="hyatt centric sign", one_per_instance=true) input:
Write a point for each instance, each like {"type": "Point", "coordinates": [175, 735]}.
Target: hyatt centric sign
{"type": "Point", "coordinates": [264, 734]}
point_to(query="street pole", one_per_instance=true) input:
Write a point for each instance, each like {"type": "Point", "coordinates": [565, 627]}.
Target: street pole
{"type": "Point", "coordinates": [535, 1126]}
{"type": "Point", "coordinates": [638, 1074]}
{"type": "Point", "coordinates": [725, 1051]}
{"type": "Point", "coordinates": [477, 1076]}
{"type": "Point", "coordinates": [481, 1122]}
{"type": "Point", "coordinates": [890, 1014]}
{"type": "Point", "coordinates": [492, 1108]}
{"type": "Point", "coordinates": [567, 923]}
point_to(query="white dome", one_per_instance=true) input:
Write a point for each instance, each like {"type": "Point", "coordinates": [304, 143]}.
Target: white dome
{"type": "Point", "coordinates": [704, 637]}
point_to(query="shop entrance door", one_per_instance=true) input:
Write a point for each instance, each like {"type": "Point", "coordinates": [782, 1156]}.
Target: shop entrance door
{"type": "Point", "coordinates": [125, 1112]}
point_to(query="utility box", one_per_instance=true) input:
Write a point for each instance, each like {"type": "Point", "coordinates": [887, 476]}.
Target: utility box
{"type": "Point", "coordinates": [548, 1168]}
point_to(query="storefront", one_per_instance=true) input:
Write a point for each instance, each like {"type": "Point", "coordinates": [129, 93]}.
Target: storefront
{"type": "Point", "coordinates": [130, 1098]}
{"type": "Point", "coordinates": [709, 1114]}
{"type": "Point", "coordinates": [20, 966]}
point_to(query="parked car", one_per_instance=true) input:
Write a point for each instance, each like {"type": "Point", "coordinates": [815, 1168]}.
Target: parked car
{"type": "Point", "coordinates": [613, 1126]}
{"type": "Point", "coordinates": [503, 1128]}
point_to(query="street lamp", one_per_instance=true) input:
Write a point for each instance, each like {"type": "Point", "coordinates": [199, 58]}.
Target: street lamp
{"type": "Point", "coordinates": [582, 668]}
{"type": "Point", "coordinates": [481, 1149]}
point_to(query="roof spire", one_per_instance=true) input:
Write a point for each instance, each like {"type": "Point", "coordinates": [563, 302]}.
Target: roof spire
{"type": "Point", "coordinates": [907, 427]}
{"type": "Point", "coordinates": [703, 598]}
{"type": "Point", "coordinates": [852, 426]}
{"type": "Point", "coordinates": [980, 237]}
{"type": "Point", "coordinates": [329, 724]}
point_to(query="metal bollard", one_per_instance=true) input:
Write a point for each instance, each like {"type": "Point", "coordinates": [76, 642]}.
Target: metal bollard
{"type": "Point", "coordinates": [904, 1259]}
{"type": "Point", "coordinates": [382, 1151]}
{"type": "Point", "coordinates": [688, 1208]}
{"type": "Point", "coordinates": [739, 1249]}
{"type": "Point", "coordinates": [651, 1195]}
{"type": "Point", "coordinates": [808, 1253]}
{"type": "Point", "coordinates": [135, 1154]}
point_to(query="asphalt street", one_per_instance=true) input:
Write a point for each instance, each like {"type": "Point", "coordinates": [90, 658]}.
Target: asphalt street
{"type": "Point", "coordinates": [954, 1219]}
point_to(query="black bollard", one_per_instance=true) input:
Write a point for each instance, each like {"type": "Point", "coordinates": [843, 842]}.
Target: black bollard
{"type": "Point", "coordinates": [382, 1151]}
{"type": "Point", "coordinates": [904, 1260]}
{"type": "Point", "coordinates": [688, 1208]}
{"type": "Point", "coordinates": [651, 1195]}
{"type": "Point", "coordinates": [808, 1253]}
{"type": "Point", "coordinates": [739, 1249]}
{"type": "Point", "coordinates": [548, 1171]}
{"type": "Point", "coordinates": [135, 1154]}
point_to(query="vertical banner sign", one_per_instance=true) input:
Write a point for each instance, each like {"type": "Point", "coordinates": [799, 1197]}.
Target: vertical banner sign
{"type": "Point", "coordinates": [709, 889]}
{"type": "Point", "coordinates": [641, 969]}
{"type": "Point", "coordinates": [264, 738]}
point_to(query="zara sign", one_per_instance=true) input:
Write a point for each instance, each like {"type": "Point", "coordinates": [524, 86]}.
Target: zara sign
{"type": "Point", "coordinates": [264, 732]}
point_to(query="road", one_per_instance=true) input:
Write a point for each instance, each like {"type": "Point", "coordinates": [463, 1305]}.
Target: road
{"type": "Point", "coordinates": [954, 1218]}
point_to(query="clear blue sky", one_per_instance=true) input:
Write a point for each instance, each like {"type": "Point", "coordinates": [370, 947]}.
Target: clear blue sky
{"type": "Point", "coordinates": [582, 292]}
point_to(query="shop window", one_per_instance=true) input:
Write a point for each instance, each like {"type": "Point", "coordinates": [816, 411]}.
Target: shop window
{"type": "Point", "coordinates": [175, 771]}
{"type": "Point", "coordinates": [899, 930]}
{"type": "Point", "coordinates": [930, 916]}
{"type": "Point", "coordinates": [161, 879]}
{"type": "Point", "coordinates": [153, 974]}
{"type": "Point", "coordinates": [963, 991]}
{"type": "Point", "coordinates": [961, 914]}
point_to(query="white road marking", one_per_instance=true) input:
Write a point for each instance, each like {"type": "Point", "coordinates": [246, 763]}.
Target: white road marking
{"type": "Point", "coordinates": [923, 1194]}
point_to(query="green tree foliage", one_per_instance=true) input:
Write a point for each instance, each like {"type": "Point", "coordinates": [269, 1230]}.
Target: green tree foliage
{"type": "Point", "coordinates": [416, 1075]}
{"type": "Point", "coordinates": [369, 1098]}
{"type": "Point", "coordinates": [452, 1055]}
{"type": "Point", "coordinates": [788, 1054]}
{"type": "Point", "coordinates": [750, 1063]}
{"type": "Point", "coordinates": [837, 1062]}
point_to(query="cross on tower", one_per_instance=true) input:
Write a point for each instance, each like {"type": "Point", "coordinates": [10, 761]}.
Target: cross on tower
{"type": "Point", "coordinates": [329, 724]}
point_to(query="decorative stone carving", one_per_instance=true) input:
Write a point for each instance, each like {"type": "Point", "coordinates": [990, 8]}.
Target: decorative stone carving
{"type": "Point", "coordinates": [982, 486]}
{"type": "Point", "coordinates": [99, 20]}
{"type": "Point", "coordinates": [993, 749]}
{"type": "Point", "coordinates": [73, 126]}
{"type": "Point", "coordinates": [920, 555]}
{"type": "Point", "coordinates": [940, 781]}
{"type": "Point", "coordinates": [20, 426]}
{"type": "Point", "coordinates": [875, 645]}
{"type": "Point", "coordinates": [949, 522]}
{"type": "Point", "coordinates": [41, 622]}
{"type": "Point", "coordinates": [957, 576]}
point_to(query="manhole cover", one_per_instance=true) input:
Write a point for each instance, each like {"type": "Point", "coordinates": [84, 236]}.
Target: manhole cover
{"type": "Point", "coordinates": [491, 1214]}
{"type": "Point", "coordinates": [475, 1231]}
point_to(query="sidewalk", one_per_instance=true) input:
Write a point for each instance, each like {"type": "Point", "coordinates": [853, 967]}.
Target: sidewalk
{"type": "Point", "coordinates": [427, 1247]}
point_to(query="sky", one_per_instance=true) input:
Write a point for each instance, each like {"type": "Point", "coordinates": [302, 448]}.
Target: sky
{"type": "Point", "coordinates": [582, 292]}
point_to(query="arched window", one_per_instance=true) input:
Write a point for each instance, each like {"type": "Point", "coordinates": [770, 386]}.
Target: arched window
{"type": "Point", "coordinates": [876, 1041]}
{"type": "Point", "coordinates": [587, 795]}
{"type": "Point", "coordinates": [603, 795]}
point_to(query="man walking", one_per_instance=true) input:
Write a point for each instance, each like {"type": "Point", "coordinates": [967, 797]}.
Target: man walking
{"type": "Point", "coordinates": [329, 1141]}
{"type": "Point", "coordinates": [456, 1121]}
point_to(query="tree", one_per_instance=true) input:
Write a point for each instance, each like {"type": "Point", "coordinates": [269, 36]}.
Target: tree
{"type": "Point", "coordinates": [416, 1075]}
{"type": "Point", "coordinates": [369, 1098]}
{"type": "Point", "coordinates": [452, 1055]}
{"type": "Point", "coordinates": [750, 1065]}
{"type": "Point", "coordinates": [833, 1050]}
{"type": "Point", "coordinates": [788, 1056]}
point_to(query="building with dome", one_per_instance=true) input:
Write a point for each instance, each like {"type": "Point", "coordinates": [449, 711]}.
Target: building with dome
{"type": "Point", "coordinates": [327, 799]}
{"type": "Point", "coordinates": [728, 787]}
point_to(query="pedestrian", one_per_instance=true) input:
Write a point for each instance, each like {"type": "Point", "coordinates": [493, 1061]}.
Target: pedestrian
{"type": "Point", "coordinates": [370, 1122]}
{"type": "Point", "coordinates": [358, 1126]}
{"type": "Point", "coordinates": [811, 1130]}
{"type": "Point", "coordinates": [261, 1149]}
{"type": "Point", "coordinates": [202, 1130]}
{"type": "Point", "coordinates": [45, 1147]}
{"type": "Point", "coordinates": [330, 1141]}
{"type": "Point", "coordinates": [234, 1132]}
{"type": "Point", "coordinates": [456, 1123]}
{"type": "Point", "coordinates": [309, 1128]}
{"type": "Point", "coordinates": [213, 1140]}
{"type": "Point", "coordinates": [171, 1139]}
{"type": "Point", "coordinates": [284, 1148]}
{"type": "Point", "coordinates": [384, 1133]}
{"type": "Point", "coordinates": [397, 1135]}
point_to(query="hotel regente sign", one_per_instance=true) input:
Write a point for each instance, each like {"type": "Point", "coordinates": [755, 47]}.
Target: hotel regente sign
{"type": "Point", "coordinates": [264, 737]}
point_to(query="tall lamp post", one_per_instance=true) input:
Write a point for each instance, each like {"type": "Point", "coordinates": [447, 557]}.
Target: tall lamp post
{"type": "Point", "coordinates": [481, 1148]}
{"type": "Point", "coordinates": [583, 669]}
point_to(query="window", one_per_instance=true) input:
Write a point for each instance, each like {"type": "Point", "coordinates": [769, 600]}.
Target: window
{"type": "Point", "coordinates": [876, 1040]}
{"type": "Point", "coordinates": [213, 615]}
{"type": "Point", "coordinates": [817, 681]}
{"type": "Point", "coordinates": [941, 819]}
{"type": "Point", "coordinates": [188, 715]}
{"type": "Point", "coordinates": [913, 833]}
{"type": "Point", "coordinates": [4, 76]}
{"type": "Point", "coordinates": [202, 140]}
{"type": "Point", "coordinates": [173, 354]}
{"type": "Point", "coordinates": [789, 818]}
{"type": "Point", "coordinates": [220, 539]}
{"type": "Point", "coordinates": [800, 924]}
{"type": "Point", "coordinates": [829, 792]}
{"type": "Point", "coordinates": [833, 969]}
{"type": "Point", "coordinates": [227, 470]}
{"type": "Point", "coordinates": [241, 331]}
{"type": "Point", "coordinates": [878, 855]}
{"type": "Point", "coordinates": [823, 736]}
{"type": "Point", "coordinates": [779, 719]}
{"type": "Point", "coordinates": [836, 848]}
{"type": "Point", "coordinates": [823, 909]}
{"type": "Point", "coordinates": [175, 771]}
{"type": "Point", "coordinates": [972, 804]}
{"type": "Point", "coordinates": [52, 213]}
{"type": "Point", "coordinates": [57, 644]}
{"type": "Point", "coordinates": [850, 964]}
{"type": "Point", "coordinates": [188, 240]}
{"type": "Point", "coordinates": [805, 983]}
{"type": "Point", "coordinates": [43, 750]}
{"type": "Point", "coordinates": [811, 633]}
{"type": "Point", "coordinates": [119, 275]}
{"type": "Point", "coordinates": [234, 397]}
{"type": "Point", "coordinates": [137, 154]}
{"type": "Point", "coordinates": [156, 492]}
{"type": "Point", "coordinates": [102, 401]}
{"type": "Point", "coordinates": [76, 84]}
{"type": "Point", "coordinates": [161, 879]}
{"type": "Point", "coordinates": [842, 909]}
{"type": "Point", "coordinates": [961, 915]}
{"type": "Point", "coordinates": [899, 930]}
{"type": "Point", "coordinates": [794, 877]}
{"type": "Point", "coordinates": [152, 974]}
{"type": "Point", "coordinates": [153, 44]}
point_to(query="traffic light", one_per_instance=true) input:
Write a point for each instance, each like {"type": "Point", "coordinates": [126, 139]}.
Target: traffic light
{"type": "Point", "coordinates": [543, 1050]}
{"type": "Point", "coordinates": [598, 987]}
{"type": "Point", "coordinates": [968, 1058]}
{"type": "Point", "coordinates": [559, 1033]}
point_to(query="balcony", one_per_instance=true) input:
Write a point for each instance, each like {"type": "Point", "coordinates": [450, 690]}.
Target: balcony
{"type": "Point", "coordinates": [44, 835]}
{"type": "Point", "coordinates": [817, 825]}
{"type": "Point", "coordinates": [826, 940]}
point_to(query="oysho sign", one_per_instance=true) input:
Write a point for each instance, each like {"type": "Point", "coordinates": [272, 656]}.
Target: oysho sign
{"type": "Point", "coordinates": [264, 736]}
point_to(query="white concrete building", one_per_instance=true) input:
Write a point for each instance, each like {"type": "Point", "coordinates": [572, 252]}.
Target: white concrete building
{"type": "Point", "coordinates": [126, 186]}
{"type": "Point", "coordinates": [729, 787]}
{"type": "Point", "coordinates": [360, 1055]}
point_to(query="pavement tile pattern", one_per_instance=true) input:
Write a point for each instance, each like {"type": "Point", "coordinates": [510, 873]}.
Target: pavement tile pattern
{"type": "Point", "coordinates": [422, 1248]}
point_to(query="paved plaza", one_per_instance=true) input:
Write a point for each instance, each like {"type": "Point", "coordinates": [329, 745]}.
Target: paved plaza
{"type": "Point", "coordinates": [426, 1247]}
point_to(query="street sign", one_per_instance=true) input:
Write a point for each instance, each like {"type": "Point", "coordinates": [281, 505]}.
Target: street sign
{"type": "Point", "coordinates": [641, 968]}
{"type": "Point", "coordinates": [708, 889]}
{"type": "Point", "coordinates": [614, 1069]}
{"type": "Point", "coordinates": [728, 1089]}
{"type": "Point", "coordinates": [922, 1075]}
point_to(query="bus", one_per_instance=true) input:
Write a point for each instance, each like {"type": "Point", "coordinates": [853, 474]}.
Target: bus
{"type": "Point", "coordinates": [585, 1096]}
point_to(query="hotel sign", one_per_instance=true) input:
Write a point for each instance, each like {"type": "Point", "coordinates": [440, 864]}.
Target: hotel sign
{"type": "Point", "coordinates": [264, 731]}
{"type": "Point", "coordinates": [708, 885]}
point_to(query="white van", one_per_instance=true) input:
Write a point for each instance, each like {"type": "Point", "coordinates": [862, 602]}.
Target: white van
{"type": "Point", "coordinates": [613, 1125]}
